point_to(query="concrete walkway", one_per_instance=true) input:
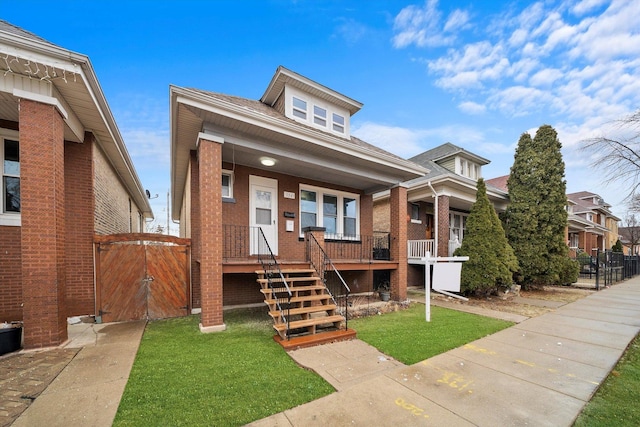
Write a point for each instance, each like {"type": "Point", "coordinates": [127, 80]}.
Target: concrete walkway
{"type": "Point", "coordinates": [540, 372]}
{"type": "Point", "coordinates": [88, 390]}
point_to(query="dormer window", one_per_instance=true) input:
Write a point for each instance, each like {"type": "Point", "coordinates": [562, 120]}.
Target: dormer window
{"type": "Point", "coordinates": [319, 116]}
{"type": "Point", "coordinates": [300, 108]}
{"type": "Point", "coordinates": [338, 123]}
{"type": "Point", "coordinates": [468, 168]}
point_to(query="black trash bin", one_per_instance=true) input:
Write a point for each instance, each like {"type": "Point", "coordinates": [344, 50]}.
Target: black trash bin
{"type": "Point", "coordinates": [10, 339]}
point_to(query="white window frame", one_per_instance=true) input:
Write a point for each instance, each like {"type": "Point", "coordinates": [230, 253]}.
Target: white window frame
{"type": "Point", "coordinates": [574, 240]}
{"type": "Point", "coordinates": [415, 219]}
{"type": "Point", "coordinates": [589, 216]}
{"type": "Point", "coordinates": [228, 173]}
{"type": "Point", "coordinates": [299, 110]}
{"type": "Point", "coordinates": [7, 218]}
{"type": "Point", "coordinates": [463, 221]}
{"type": "Point", "coordinates": [318, 118]}
{"type": "Point", "coordinates": [340, 195]}
{"type": "Point", "coordinates": [336, 126]}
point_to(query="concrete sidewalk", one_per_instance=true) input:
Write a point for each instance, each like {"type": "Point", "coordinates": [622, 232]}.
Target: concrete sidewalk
{"type": "Point", "coordinates": [540, 372]}
{"type": "Point", "coordinates": [88, 390]}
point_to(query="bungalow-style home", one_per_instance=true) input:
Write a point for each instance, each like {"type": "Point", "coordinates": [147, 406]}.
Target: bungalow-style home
{"type": "Point", "coordinates": [276, 196]}
{"type": "Point", "coordinates": [592, 225]}
{"type": "Point", "coordinates": [438, 204]}
{"type": "Point", "coordinates": [630, 239]}
{"type": "Point", "coordinates": [66, 176]}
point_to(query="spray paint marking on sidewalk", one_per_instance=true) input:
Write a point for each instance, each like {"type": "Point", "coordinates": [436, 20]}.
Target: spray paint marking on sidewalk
{"type": "Point", "coordinates": [418, 412]}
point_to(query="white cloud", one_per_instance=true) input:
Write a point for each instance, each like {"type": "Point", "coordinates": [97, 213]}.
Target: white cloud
{"type": "Point", "coordinates": [470, 107]}
{"type": "Point", "coordinates": [545, 77]}
{"type": "Point", "coordinates": [422, 26]}
{"type": "Point", "coordinates": [350, 31]}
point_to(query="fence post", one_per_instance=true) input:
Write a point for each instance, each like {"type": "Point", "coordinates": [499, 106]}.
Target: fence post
{"type": "Point", "coordinates": [598, 270]}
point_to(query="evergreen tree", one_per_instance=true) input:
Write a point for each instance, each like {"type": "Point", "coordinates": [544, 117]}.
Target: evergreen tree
{"type": "Point", "coordinates": [536, 217]}
{"type": "Point", "coordinates": [491, 260]}
{"type": "Point", "coordinates": [617, 247]}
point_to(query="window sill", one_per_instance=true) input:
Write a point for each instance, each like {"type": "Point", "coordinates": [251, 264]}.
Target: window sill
{"type": "Point", "coordinates": [416, 221]}
{"type": "Point", "coordinates": [9, 220]}
{"type": "Point", "coordinates": [228, 200]}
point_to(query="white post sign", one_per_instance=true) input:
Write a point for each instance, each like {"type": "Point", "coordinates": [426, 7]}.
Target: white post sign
{"type": "Point", "coordinates": [446, 277]}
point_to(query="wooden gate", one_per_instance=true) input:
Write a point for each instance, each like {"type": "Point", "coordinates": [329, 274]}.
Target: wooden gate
{"type": "Point", "coordinates": [142, 276]}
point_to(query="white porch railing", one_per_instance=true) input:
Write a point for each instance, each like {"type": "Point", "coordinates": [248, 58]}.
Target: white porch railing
{"type": "Point", "coordinates": [419, 248]}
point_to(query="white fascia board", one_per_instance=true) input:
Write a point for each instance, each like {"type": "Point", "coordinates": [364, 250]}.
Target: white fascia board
{"type": "Point", "coordinates": [72, 120]}
{"type": "Point", "coordinates": [43, 99]}
{"type": "Point", "coordinates": [290, 129]}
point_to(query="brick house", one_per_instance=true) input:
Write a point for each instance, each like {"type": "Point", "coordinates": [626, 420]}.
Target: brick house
{"type": "Point", "coordinates": [66, 175]}
{"type": "Point", "coordinates": [591, 224]}
{"type": "Point", "coordinates": [438, 203]}
{"type": "Point", "coordinates": [277, 170]}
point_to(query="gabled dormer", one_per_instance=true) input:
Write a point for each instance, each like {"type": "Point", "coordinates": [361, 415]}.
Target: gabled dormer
{"type": "Point", "coordinates": [455, 159]}
{"type": "Point", "coordinates": [310, 103]}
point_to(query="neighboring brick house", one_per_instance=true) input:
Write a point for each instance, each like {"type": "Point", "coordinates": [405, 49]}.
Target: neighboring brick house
{"type": "Point", "coordinates": [591, 224]}
{"type": "Point", "coordinates": [438, 225]}
{"type": "Point", "coordinates": [281, 164]}
{"type": "Point", "coordinates": [66, 175]}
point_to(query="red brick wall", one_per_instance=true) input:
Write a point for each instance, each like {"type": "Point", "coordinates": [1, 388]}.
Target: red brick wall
{"type": "Point", "coordinates": [10, 274]}
{"type": "Point", "coordinates": [443, 226]}
{"type": "Point", "coordinates": [210, 186]}
{"type": "Point", "coordinates": [194, 187]}
{"type": "Point", "coordinates": [79, 206]}
{"type": "Point", "coordinates": [242, 289]}
{"type": "Point", "coordinates": [290, 245]}
{"type": "Point", "coordinates": [43, 224]}
{"type": "Point", "coordinates": [399, 220]}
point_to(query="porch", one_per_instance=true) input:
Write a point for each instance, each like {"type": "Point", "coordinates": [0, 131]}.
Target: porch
{"type": "Point", "coordinates": [348, 253]}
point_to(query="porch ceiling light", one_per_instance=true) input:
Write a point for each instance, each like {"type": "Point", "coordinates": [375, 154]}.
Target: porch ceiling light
{"type": "Point", "coordinates": [267, 161]}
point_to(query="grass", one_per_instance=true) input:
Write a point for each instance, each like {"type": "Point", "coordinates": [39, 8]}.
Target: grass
{"type": "Point", "coordinates": [408, 338]}
{"type": "Point", "coordinates": [616, 401]}
{"type": "Point", "coordinates": [182, 378]}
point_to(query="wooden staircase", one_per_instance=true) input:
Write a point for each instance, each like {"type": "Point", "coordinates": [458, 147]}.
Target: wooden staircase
{"type": "Point", "coordinates": [311, 308]}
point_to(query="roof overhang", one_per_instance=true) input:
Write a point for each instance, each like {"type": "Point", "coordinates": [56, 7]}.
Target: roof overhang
{"type": "Point", "coordinates": [50, 74]}
{"type": "Point", "coordinates": [284, 77]}
{"type": "Point", "coordinates": [298, 150]}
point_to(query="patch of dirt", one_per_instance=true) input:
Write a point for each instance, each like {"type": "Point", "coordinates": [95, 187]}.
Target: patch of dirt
{"type": "Point", "coordinates": [511, 302]}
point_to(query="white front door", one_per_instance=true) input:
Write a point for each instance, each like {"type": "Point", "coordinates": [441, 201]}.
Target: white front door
{"type": "Point", "coordinates": [263, 213]}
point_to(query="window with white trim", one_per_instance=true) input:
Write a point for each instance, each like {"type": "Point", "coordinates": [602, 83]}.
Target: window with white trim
{"type": "Point", "coordinates": [589, 217]}
{"type": "Point", "coordinates": [10, 170]}
{"type": "Point", "coordinates": [457, 226]}
{"type": "Point", "coordinates": [338, 212]}
{"type": "Point", "coordinates": [415, 213]}
{"type": "Point", "coordinates": [319, 116]}
{"type": "Point", "coordinates": [338, 122]}
{"type": "Point", "coordinates": [574, 240]}
{"type": "Point", "coordinates": [300, 108]}
{"type": "Point", "coordinates": [227, 184]}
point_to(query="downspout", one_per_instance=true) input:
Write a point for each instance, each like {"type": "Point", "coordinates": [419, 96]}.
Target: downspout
{"type": "Point", "coordinates": [435, 217]}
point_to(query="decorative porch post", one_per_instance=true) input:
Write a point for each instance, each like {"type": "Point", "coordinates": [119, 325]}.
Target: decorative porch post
{"type": "Point", "coordinates": [398, 227]}
{"type": "Point", "coordinates": [210, 173]}
{"type": "Point", "coordinates": [43, 224]}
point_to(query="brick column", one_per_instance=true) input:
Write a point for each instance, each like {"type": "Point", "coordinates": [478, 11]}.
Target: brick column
{"type": "Point", "coordinates": [210, 173]}
{"type": "Point", "coordinates": [79, 215]}
{"type": "Point", "coordinates": [196, 293]}
{"type": "Point", "coordinates": [443, 226]}
{"type": "Point", "coordinates": [399, 218]}
{"type": "Point", "coordinates": [43, 224]}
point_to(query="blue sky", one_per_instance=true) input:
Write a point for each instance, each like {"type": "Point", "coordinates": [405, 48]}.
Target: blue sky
{"type": "Point", "coordinates": [474, 73]}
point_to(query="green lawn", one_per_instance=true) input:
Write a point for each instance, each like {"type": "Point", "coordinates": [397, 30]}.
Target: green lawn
{"type": "Point", "coordinates": [182, 377]}
{"type": "Point", "coordinates": [616, 401]}
{"type": "Point", "coordinates": [406, 335]}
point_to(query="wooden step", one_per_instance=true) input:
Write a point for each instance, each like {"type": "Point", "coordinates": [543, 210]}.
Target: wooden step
{"type": "Point", "coordinates": [304, 310]}
{"type": "Point", "coordinates": [309, 271]}
{"type": "Point", "coordinates": [293, 289]}
{"type": "Point", "coordinates": [304, 298]}
{"type": "Point", "coordinates": [290, 279]}
{"type": "Point", "coordinates": [314, 321]}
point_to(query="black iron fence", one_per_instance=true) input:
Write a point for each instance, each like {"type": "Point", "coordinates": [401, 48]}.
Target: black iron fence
{"type": "Point", "coordinates": [607, 267]}
{"type": "Point", "coordinates": [358, 248]}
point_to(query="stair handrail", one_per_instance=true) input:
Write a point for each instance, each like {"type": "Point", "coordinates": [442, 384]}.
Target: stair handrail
{"type": "Point", "coordinates": [321, 268]}
{"type": "Point", "coordinates": [271, 268]}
